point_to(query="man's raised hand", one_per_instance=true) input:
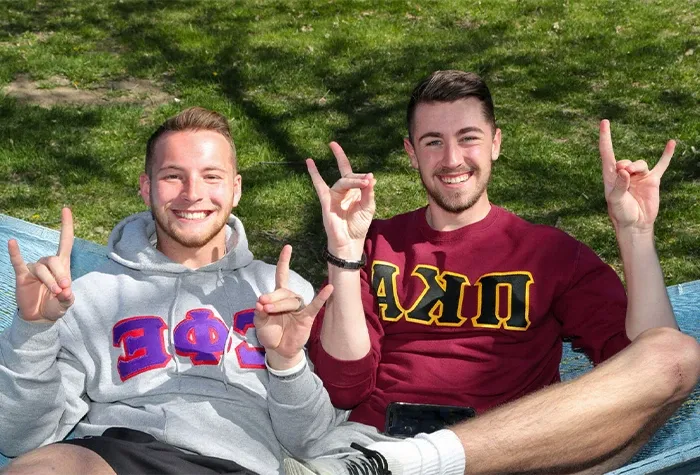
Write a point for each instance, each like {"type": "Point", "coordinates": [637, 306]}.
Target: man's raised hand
{"type": "Point", "coordinates": [631, 189]}
{"type": "Point", "coordinates": [282, 322]}
{"type": "Point", "coordinates": [43, 288]}
{"type": "Point", "coordinates": [348, 206]}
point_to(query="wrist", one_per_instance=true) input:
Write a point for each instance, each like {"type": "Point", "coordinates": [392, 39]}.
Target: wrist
{"type": "Point", "coordinates": [278, 362]}
{"type": "Point", "coordinates": [35, 321]}
{"type": "Point", "coordinates": [335, 261]}
{"type": "Point", "coordinates": [633, 244]}
{"type": "Point", "coordinates": [349, 252]}
{"type": "Point", "coordinates": [634, 234]}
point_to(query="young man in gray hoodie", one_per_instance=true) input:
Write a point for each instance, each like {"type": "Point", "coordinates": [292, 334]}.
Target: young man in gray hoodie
{"type": "Point", "coordinates": [153, 358]}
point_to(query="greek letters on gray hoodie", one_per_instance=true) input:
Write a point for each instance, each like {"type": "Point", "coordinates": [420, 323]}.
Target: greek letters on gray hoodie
{"type": "Point", "coordinates": [152, 345]}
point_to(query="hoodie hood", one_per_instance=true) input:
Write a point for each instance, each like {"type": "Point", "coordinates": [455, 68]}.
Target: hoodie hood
{"type": "Point", "coordinates": [132, 244]}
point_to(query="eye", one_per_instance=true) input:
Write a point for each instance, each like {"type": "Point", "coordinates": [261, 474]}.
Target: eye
{"type": "Point", "coordinates": [469, 138]}
{"type": "Point", "coordinates": [212, 177]}
{"type": "Point", "coordinates": [171, 176]}
{"type": "Point", "coordinates": [433, 143]}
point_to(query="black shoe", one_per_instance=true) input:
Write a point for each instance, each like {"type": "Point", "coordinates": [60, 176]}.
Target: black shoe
{"type": "Point", "coordinates": [368, 462]}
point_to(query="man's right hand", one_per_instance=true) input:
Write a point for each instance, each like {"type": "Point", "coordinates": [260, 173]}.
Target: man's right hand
{"type": "Point", "coordinates": [348, 206]}
{"type": "Point", "coordinates": [43, 289]}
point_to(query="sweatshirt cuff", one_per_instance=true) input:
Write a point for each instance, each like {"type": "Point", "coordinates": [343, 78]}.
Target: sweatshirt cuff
{"type": "Point", "coordinates": [21, 330]}
{"type": "Point", "coordinates": [345, 373]}
{"type": "Point", "coordinates": [289, 372]}
{"type": "Point", "coordinates": [28, 347]}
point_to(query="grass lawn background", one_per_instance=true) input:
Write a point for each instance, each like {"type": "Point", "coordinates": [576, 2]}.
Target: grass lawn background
{"type": "Point", "coordinates": [294, 75]}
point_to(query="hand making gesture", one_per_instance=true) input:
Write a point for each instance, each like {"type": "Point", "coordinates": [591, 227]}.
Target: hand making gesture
{"type": "Point", "coordinates": [631, 189]}
{"type": "Point", "coordinates": [282, 322]}
{"type": "Point", "coordinates": [43, 289]}
{"type": "Point", "coordinates": [347, 207]}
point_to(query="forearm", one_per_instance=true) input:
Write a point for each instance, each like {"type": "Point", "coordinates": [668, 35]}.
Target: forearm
{"type": "Point", "coordinates": [300, 410]}
{"type": "Point", "coordinates": [32, 393]}
{"type": "Point", "coordinates": [648, 303]}
{"type": "Point", "coordinates": [344, 333]}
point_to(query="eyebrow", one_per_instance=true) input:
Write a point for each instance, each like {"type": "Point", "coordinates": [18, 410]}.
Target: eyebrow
{"type": "Point", "coordinates": [459, 132]}
{"type": "Point", "coordinates": [207, 169]}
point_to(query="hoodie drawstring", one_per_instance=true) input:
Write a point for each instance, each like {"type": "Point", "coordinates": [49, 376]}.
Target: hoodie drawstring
{"type": "Point", "coordinates": [171, 324]}
{"type": "Point", "coordinates": [229, 335]}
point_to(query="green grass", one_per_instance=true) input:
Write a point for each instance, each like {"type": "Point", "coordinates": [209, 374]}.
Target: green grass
{"type": "Point", "coordinates": [294, 75]}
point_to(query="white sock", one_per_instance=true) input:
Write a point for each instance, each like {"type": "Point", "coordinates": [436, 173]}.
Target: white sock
{"type": "Point", "coordinates": [439, 453]}
{"type": "Point", "coordinates": [451, 458]}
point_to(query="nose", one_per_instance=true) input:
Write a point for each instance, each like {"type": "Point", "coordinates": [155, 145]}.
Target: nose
{"type": "Point", "coordinates": [191, 190]}
{"type": "Point", "coordinates": [452, 157]}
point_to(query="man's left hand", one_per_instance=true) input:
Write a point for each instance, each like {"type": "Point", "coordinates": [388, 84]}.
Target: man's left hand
{"type": "Point", "coordinates": [282, 321]}
{"type": "Point", "coordinates": [631, 189]}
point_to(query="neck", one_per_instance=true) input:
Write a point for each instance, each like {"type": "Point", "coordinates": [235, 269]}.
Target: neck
{"type": "Point", "coordinates": [193, 257]}
{"type": "Point", "coordinates": [441, 220]}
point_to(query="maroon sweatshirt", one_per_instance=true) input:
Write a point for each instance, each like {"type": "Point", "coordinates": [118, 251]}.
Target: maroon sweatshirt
{"type": "Point", "coordinates": [471, 317]}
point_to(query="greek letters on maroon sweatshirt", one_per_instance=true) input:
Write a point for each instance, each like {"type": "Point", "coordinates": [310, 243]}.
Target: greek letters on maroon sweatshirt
{"type": "Point", "coordinates": [471, 317]}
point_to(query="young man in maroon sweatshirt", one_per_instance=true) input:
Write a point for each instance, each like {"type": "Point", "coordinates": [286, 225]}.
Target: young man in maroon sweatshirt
{"type": "Point", "coordinates": [464, 303]}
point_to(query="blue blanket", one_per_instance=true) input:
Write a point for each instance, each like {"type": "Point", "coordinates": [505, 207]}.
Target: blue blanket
{"type": "Point", "coordinates": [674, 448]}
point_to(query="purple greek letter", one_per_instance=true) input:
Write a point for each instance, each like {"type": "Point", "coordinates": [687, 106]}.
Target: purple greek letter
{"type": "Point", "coordinates": [201, 336]}
{"type": "Point", "coordinates": [142, 341]}
{"type": "Point", "coordinates": [252, 357]}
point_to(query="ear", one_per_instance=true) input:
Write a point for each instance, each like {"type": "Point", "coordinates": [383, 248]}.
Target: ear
{"type": "Point", "coordinates": [237, 189]}
{"type": "Point", "coordinates": [145, 189]}
{"type": "Point", "coordinates": [496, 145]}
{"type": "Point", "coordinates": [408, 146]}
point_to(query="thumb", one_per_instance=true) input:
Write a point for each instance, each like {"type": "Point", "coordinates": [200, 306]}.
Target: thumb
{"type": "Point", "coordinates": [319, 301]}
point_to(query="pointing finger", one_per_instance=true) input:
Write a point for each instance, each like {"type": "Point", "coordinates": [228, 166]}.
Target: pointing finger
{"type": "Point", "coordinates": [344, 166]}
{"type": "Point", "coordinates": [319, 184]}
{"type": "Point", "coordinates": [282, 272]}
{"type": "Point", "coordinates": [665, 159]}
{"type": "Point", "coordinates": [65, 242]}
{"type": "Point", "coordinates": [607, 155]}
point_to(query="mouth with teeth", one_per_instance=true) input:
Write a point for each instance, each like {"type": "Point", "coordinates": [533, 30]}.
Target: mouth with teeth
{"type": "Point", "coordinates": [192, 215]}
{"type": "Point", "coordinates": [455, 179]}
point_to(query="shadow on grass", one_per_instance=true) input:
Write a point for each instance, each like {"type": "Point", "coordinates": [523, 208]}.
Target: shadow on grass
{"type": "Point", "coordinates": [367, 85]}
{"type": "Point", "coordinates": [55, 149]}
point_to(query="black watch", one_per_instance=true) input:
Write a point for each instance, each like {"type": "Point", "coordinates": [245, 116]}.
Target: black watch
{"type": "Point", "coordinates": [342, 263]}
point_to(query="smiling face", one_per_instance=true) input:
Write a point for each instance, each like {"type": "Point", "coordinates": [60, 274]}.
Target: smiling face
{"type": "Point", "coordinates": [191, 189]}
{"type": "Point", "coordinates": [452, 147]}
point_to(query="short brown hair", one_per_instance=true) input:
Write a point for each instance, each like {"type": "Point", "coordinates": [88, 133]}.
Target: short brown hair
{"type": "Point", "coordinates": [450, 86]}
{"type": "Point", "coordinates": [193, 118]}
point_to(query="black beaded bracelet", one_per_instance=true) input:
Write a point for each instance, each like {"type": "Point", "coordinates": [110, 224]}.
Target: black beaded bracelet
{"type": "Point", "coordinates": [342, 263]}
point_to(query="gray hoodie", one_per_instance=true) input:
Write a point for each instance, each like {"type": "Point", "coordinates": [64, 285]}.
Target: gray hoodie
{"type": "Point", "coordinates": [152, 345]}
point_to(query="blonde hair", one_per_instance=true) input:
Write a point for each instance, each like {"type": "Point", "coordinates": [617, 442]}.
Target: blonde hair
{"type": "Point", "coordinates": [193, 118]}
